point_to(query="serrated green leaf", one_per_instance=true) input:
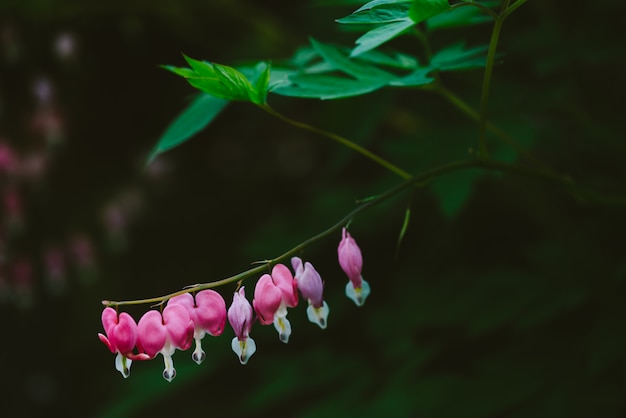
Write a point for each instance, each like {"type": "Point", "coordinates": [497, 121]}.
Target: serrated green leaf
{"type": "Point", "coordinates": [218, 80]}
{"type": "Point", "coordinates": [200, 68]}
{"type": "Point", "coordinates": [390, 59]}
{"type": "Point", "coordinates": [419, 77]}
{"type": "Point", "coordinates": [459, 17]}
{"type": "Point", "coordinates": [457, 57]}
{"type": "Point", "coordinates": [190, 121]}
{"type": "Point", "coordinates": [235, 81]}
{"type": "Point", "coordinates": [389, 13]}
{"type": "Point", "coordinates": [380, 35]}
{"type": "Point", "coordinates": [341, 62]}
{"type": "Point", "coordinates": [325, 87]}
{"type": "Point", "coordinates": [424, 9]}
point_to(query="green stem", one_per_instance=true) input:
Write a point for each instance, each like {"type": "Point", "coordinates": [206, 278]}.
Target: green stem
{"type": "Point", "coordinates": [491, 54]}
{"type": "Point", "coordinates": [266, 263]}
{"type": "Point", "coordinates": [340, 139]}
{"type": "Point", "coordinates": [512, 8]}
{"type": "Point", "coordinates": [583, 194]}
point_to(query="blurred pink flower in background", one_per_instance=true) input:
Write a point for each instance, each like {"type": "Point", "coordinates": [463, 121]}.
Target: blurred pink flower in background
{"type": "Point", "coordinates": [55, 269]}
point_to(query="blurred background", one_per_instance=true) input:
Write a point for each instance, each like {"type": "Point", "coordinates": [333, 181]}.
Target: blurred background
{"type": "Point", "coordinates": [505, 298]}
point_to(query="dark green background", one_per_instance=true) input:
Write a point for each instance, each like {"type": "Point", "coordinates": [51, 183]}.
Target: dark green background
{"type": "Point", "coordinates": [505, 299]}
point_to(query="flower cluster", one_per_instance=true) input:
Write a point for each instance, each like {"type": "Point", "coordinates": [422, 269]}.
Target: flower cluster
{"type": "Point", "coordinates": [187, 318]}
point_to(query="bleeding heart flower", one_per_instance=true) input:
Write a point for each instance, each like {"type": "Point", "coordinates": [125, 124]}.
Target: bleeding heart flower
{"type": "Point", "coordinates": [240, 318]}
{"type": "Point", "coordinates": [267, 299]}
{"type": "Point", "coordinates": [208, 314]}
{"type": "Point", "coordinates": [272, 295]}
{"type": "Point", "coordinates": [164, 333]}
{"type": "Point", "coordinates": [351, 261]}
{"type": "Point", "coordinates": [312, 288]}
{"type": "Point", "coordinates": [121, 337]}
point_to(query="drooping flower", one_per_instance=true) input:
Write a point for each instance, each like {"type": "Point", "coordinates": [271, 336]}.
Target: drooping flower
{"type": "Point", "coordinates": [351, 262]}
{"type": "Point", "coordinates": [164, 333]}
{"type": "Point", "coordinates": [208, 314]}
{"type": "Point", "coordinates": [311, 287]}
{"type": "Point", "coordinates": [120, 338]}
{"type": "Point", "coordinates": [267, 299]}
{"type": "Point", "coordinates": [273, 294]}
{"type": "Point", "coordinates": [240, 319]}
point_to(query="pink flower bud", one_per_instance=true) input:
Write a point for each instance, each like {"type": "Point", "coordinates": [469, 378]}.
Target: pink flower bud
{"type": "Point", "coordinates": [309, 281]}
{"type": "Point", "coordinates": [311, 287]}
{"type": "Point", "coordinates": [240, 319]}
{"type": "Point", "coordinates": [351, 262]}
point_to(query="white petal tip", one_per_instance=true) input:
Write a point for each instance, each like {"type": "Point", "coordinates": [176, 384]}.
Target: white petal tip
{"type": "Point", "coordinates": [359, 294]}
{"type": "Point", "coordinates": [122, 364]}
{"type": "Point", "coordinates": [169, 373]}
{"type": "Point", "coordinates": [198, 354]}
{"type": "Point", "coordinates": [319, 315]}
{"type": "Point", "coordinates": [283, 326]}
{"type": "Point", "coordinates": [244, 349]}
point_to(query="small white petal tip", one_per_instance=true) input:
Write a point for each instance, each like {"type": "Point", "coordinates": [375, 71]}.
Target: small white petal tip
{"type": "Point", "coordinates": [359, 294]}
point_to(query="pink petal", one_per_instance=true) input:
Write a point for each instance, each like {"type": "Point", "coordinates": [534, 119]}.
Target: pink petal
{"type": "Point", "coordinates": [211, 312]}
{"type": "Point", "coordinates": [152, 333]}
{"type": "Point", "coordinates": [267, 299]}
{"type": "Point", "coordinates": [240, 314]}
{"type": "Point", "coordinates": [106, 342]}
{"type": "Point", "coordinates": [125, 333]}
{"type": "Point", "coordinates": [350, 258]}
{"type": "Point", "coordinates": [311, 285]}
{"type": "Point", "coordinates": [179, 326]}
{"type": "Point", "coordinates": [109, 319]}
{"type": "Point", "coordinates": [283, 278]}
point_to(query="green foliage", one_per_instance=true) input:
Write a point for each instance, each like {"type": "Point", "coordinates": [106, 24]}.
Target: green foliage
{"type": "Point", "coordinates": [480, 289]}
{"type": "Point", "coordinates": [380, 35]}
{"type": "Point", "coordinates": [200, 112]}
{"type": "Point", "coordinates": [224, 82]}
{"type": "Point", "coordinates": [425, 9]}
{"type": "Point", "coordinates": [458, 57]}
{"type": "Point", "coordinates": [457, 17]}
{"type": "Point", "coordinates": [394, 12]}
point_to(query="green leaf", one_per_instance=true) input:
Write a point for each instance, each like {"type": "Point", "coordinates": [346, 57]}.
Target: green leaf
{"type": "Point", "coordinates": [262, 84]}
{"type": "Point", "coordinates": [405, 225]}
{"type": "Point", "coordinates": [390, 59]}
{"type": "Point", "coordinates": [341, 62]}
{"type": "Point", "coordinates": [424, 9]}
{"type": "Point", "coordinates": [419, 77]}
{"type": "Point", "coordinates": [377, 3]}
{"type": "Point", "coordinates": [325, 87]}
{"type": "Point", "coordinates": [181, 71]}
{"type": "Point", "coordinates": [380, 35]}
{"type": "Point", "coordinates": [202, 110]}
{"type": "Point", "coordinates": [218, 80]}
{"type": "Point", "coordinates": [459, 17]}
{"type": "Point", "coordinates": [457, 57]}
{"type": "Point", "coordinates": [389, 13]}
